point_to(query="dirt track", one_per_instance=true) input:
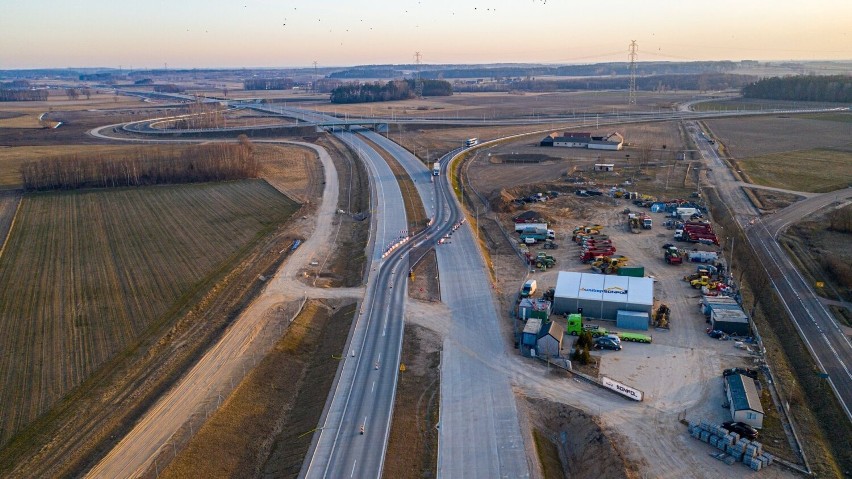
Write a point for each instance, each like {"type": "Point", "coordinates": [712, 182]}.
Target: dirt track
{"type": "Point", "coordinates": [135, 453]}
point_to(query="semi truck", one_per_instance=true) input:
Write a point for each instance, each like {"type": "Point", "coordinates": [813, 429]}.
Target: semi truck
{"type": "Point", "coordinates": [520, 227]}
{"type": "Point", "coordinates": [538, 234]}
{"type": "Point", "coordinates": [436, 169]}
{"type": "Point", "coordinates": [574, 326]}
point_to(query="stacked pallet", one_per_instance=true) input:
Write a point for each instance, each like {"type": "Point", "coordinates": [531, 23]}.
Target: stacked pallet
{"type": "Point", "coordinates": [734, 448]}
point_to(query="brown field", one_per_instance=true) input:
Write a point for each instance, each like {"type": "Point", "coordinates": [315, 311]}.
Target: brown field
{"type": "Point", "coordinates": [90, 271]}
{"type": "Point", "coordinates": [502, 105]}
{"type": "Point", "coordinates": [262, 426]}
{"type": "Point", "coordinates": [21, 121]}
{"type": "Point", "coordinates": [413, 442]}
{"type": "Point", "coordinates": [748, 137]}
{"type": "Point", "coordinates": [648, 169]}
{"type": "Point", "coordinates": [58, 101]}
{"type": "Point", "coordinates": [290, 169]}
{"type": "Point", "coordinates": [818, 170]}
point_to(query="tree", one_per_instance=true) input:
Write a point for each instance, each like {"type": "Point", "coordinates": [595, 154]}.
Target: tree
{"type": "Point", "coordinates": [72, 93]}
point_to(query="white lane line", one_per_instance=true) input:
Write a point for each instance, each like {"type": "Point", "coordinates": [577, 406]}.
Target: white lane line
{"type": "Point", "coordinates": [373, 388]}
{"type": "Point", "coordinates": [353, 468]}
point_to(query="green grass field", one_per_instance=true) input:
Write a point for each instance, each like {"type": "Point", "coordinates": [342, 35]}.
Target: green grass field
{"type": "Point", "coordinates": [818, 170]}
{"type": "Point", "coordinates": [85, 273]}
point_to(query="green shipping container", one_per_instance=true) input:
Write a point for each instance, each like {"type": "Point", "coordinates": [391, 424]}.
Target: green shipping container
{"type": "Point", "coordinates": [634, 271]}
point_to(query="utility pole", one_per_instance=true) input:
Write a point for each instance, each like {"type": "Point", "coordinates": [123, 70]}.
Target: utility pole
{"type": "Point", "coordinates": [632, 54]}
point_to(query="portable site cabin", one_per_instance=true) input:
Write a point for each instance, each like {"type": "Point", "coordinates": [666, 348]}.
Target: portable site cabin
{"type": "Point", "coordinates": [632, 320]}
{"type": "Point", "coordinates": [604, 167]}
{"type": "Point", "coordinates": [730, 321]}
{"type": "Point", "coordinates": [534, 308]}
{"type": "Point", "coordinates": [530, 334]}
{"type": "Point", "coordinates": [744, 400]}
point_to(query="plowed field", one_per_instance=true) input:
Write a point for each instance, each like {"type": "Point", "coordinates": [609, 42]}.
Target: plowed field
{"type": "Point", "coordinates": [84, 274]}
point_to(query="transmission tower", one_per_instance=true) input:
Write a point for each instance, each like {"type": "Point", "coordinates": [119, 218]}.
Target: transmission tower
{"type": "Point", "coordinates": [316, 78]}
{"type": "Point", "coordinates": [418, 82]}
{"type": "Point", "coordinates": [631, 99]}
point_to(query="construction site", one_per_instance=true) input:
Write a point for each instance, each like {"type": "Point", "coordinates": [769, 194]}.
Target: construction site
{"type": "Point", "coordinates": [632, 292]}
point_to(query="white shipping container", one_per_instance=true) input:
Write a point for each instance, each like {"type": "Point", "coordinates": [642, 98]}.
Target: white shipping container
{"type": "Point", "coordinates": [520, 227]}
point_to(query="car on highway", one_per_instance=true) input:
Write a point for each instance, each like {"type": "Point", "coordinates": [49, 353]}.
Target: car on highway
{"type": "Point", "coordinates": [741, 428]}
{"type": "Point", "coordinates": [608, 342]}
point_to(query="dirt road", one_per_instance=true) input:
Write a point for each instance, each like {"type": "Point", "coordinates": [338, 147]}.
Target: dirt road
{"type": "Point", "coordinates": [244, 340]}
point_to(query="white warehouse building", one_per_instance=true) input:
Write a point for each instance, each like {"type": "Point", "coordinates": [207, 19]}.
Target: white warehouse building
{"type": "Point", "coordinates": [602, 296]}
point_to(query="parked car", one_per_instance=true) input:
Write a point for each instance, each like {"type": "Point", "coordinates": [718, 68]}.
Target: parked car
{"type": "Point", "coordinates": [741, 428]}
{"type": "Point", "coordinates": [607, 342]}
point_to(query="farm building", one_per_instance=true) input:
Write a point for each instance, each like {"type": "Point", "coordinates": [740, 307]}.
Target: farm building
{"type": "Point", "coordinates": [584, 140]}
{"type": "Point", "coordinates": [632, 320]}
{"type": "Point", "coordinates": [604, 167]}
{"type": "Point", "coordinates": [730, 321]}
{"type": "Point", "coordinates": [743, 400]}
{"type": "Point", "coordinates": [549, 343]}
{"type": "Point", "coordinates": [602, 296]}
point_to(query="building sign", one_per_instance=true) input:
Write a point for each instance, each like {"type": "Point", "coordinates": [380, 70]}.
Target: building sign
{"type": "Point", "coordinates": [627, 391]}
{"type": "Point", "coordinates": [610, 290]}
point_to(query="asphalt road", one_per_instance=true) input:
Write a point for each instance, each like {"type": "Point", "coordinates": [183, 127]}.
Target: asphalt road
{"type": "Point", "coordinates": [816, 325]}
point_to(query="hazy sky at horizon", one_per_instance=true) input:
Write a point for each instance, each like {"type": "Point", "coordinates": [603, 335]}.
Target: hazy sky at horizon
{"type": "Point", "coordinates": [269, 33]}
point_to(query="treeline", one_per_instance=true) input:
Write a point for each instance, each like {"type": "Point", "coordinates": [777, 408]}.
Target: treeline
{"type": "Point", "coordinates": [497, 71]}
{"type": "Point", "coordinates": [268, 84]}
{"type": "Point", "coordinates": [144, 166]}
{"type": "Point", "coordinates": [827, 88]}
{"type": "Point", "coordinates": [701, 82]}
{"type": "Point", "coordinates": [168, 88]}
{"type": "Point", "coordinates": [392, 90]}
{"type": "Point", "coordinates": [23, 95]}
{"type": "Point", "coordinates": [437, 88]}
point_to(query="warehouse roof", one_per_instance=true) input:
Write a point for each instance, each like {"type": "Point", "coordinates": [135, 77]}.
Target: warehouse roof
{"type": "Point", "coordinates": [601, 287]}
{"type": "Point", "coordinates": [744, 395]}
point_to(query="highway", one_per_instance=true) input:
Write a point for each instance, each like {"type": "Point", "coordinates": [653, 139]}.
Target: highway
{"type": "Point", "coordinates": [816, 325]}
{"type": "Point", "coordinates": [479, 433]}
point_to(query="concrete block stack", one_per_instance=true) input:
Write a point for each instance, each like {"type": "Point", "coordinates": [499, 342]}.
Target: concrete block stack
{"type": "Point", "coordinates": [735, 449]}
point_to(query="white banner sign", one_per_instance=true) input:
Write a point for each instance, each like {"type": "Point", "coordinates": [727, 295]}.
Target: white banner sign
{"type": "Point", "coordinates": [616, 386]}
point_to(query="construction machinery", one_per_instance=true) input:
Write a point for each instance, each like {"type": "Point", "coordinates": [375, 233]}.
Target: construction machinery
{"type": "Point", "coordinates": [544, 260]}
{"type": "Point", "coordinates": [550, 244]}
{"type": "Point", "coordinates": [672, 255]}
{"type": "Point", "coordinates": [633, 223]}
{"type": "Point", "coordinates": [609, 264]}
{"type": "Point", "coordinates": [661, 317]}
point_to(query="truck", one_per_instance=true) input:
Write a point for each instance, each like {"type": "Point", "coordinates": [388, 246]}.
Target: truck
{"type": "Point", "coordinates": [574, 326]}
{"type": "Point", "coordinates": [436, 169]}
{"type": "Point", "coordinates": [529, 288]}
{"type": "Point", "coordinates": [538, 234]}
{"type": "Point", "coordinates": [647, 222]}
{"type": "Point", "coordinates": [520, 227]}
{"type": "Point", "coordinates": [471, 142]}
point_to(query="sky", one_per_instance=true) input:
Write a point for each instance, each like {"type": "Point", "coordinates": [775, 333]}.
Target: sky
{"type": "Point", "coordinates": [281, 33]}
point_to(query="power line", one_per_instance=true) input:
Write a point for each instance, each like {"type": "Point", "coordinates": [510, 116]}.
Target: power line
{"type": "Point", "coordinates": [418, 82]}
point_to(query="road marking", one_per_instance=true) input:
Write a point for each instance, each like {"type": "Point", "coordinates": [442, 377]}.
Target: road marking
{"type": "Point", "coordinates": [373, 388]}
{"type": "Point", "coordinates": [353, 468]}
